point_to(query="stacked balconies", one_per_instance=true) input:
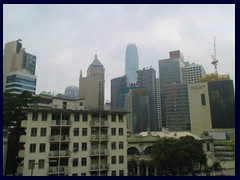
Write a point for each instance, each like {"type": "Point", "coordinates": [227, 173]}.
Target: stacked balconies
{"type": "Point", "coordinates": [99, 145]}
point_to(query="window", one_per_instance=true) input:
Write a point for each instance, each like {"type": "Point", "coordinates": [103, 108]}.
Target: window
{"type": "Point", "coordinates": [33, 131]}
{"type": "Point", "coordinates": [75, 162]}
{"type": "Point", "coordinates": [44, 116]}
{"type": "Point", "coordinates": [64, 105]}
{"type": "Point", "coordinates": [41, 163]}
{"type": "Point", "coordinates": [75, 174]}
{"type": "Point", "coordinates": [76, 131]}
{"type": "Point", "coordinates": [120, 145]}
{"type": "Point", "coordinates": [35, 116]}
{"type": "Point", "coordinates": [203, 99]}
{"type": "Point", "coordinates": [80, 103]}
{"type": "Point", "coordinates": [32, 148]}
{"type": "Point", "coordinates": [120, 131]}
{"type": "Point", "coordinates": [113, 118]}
{"type": "Point", "coordinates": [75, 147]}
{"type": "Point", "coordinates": [76, 117]}
{"type": "Point", "coordinates": [84, 146]}
{"type": "Point", "coordinates": [31, 164]}
{"type": "Point", "coordinates": [114, 160]}
{"type": "Point", "coordinates": [114, 173]}
{"type": "Point", "coordinates": [113, 131]}
{"type": "Point", "coordinates": [42, 147]}
{"type": "Point", "coordinates": [83, 174]}
{"type": "Point", "coordinates": [120, 118]}
{"type": "Point", "coordinates": [84, 161]}
{"type": "Point", "coordinates": [121, 173]}
{"type": "Point", "coordinates": [84, 131]}
{"type": "Point", "coordinates": [43, 131]}
{"type": "Point", "coordinates": [121, 159]}
{"type": "Point", "coordinates": [113, 145]}
{"type": "Point", "coordinates": [85, 117]}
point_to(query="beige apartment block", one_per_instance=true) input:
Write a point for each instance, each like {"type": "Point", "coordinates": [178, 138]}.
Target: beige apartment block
{"type": "Point", "coordinates": [67, 142]}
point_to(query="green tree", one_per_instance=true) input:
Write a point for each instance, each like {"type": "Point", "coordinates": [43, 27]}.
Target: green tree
{"type": "Point", "coordinates": [177, 155]}
{"type": "Point", "coordinates": [13, 113]}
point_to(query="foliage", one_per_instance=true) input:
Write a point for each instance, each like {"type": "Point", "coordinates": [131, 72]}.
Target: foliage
{"type": "Point", "coordinates": [13, 113]}
{"type": "Point", "coordinates": [172, 156]}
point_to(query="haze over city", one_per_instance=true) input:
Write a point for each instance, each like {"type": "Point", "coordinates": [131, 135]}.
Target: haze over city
{"type": "Point", "coordinates": [65, 37]}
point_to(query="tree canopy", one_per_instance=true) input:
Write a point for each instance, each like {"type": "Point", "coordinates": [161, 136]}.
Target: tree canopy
{"type": "Point", "coordinates": [173, 156]}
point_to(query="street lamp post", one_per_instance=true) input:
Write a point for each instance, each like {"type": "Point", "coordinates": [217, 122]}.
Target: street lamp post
{"type": "Point", "coordinates": [33, 165]}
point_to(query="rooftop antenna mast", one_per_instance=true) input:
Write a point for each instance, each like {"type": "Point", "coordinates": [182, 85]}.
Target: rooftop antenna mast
{"type": "Point", "coordinates": [214, 56]}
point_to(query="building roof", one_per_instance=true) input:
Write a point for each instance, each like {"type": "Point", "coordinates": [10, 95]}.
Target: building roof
{"type": "Point", "coordinates": [218, 135]}
{"type": "Point", "coordinates": [168, 134]}
{"type": "Point", "coordinates": [96, 62]}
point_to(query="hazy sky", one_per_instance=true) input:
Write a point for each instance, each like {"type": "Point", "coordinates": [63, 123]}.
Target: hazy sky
{"type": "Point", "coordinates": [65, 37]}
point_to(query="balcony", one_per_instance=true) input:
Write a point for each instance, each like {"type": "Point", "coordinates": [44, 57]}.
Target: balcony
{"type": "Point", "coordinates": [57, 138]}
{"type": "Point", "coordinates": [59, 153]}
{"type": "Point", "coordinates": [22, 139]}
{"type": "Point", "coordinates": [103, 137]}
{"type": "Point", "coordinates": [62, 123]}
{"type": "Point", "coordinates": [96, 152]}
{"type": "Point", "coordinates": [98, 123]}
{"type": "Point", "coordinates": [21, 153]}
{"type": "Point", "coordinates": [60, 169]}
{"type": "Point", "coordinates": [97, 167]}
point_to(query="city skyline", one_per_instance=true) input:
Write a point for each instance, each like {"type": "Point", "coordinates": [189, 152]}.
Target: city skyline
{"type": "Point", "coordinates": [66, 37]}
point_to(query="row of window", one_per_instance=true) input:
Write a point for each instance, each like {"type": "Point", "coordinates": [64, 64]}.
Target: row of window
{"type": "Point", "coordinates": [120, 159]}
{"type": "Point", "coordinates": [67, 117]}
{"type": "Point", "coordinates": [42, 146]}
{"type": "Point", "coordinates": [83, 162]}
{"type": "Point", "coordinates": [43, 132]}
{"type": "Point", "coordinates": [113, 173]}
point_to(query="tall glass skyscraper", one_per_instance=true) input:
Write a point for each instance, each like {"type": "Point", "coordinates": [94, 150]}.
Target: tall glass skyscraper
{"type": "Point", "coordinates": [131, 63]}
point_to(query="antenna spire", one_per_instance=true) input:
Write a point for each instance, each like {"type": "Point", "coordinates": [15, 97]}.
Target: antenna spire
{"type": "Point", "coordinates": [214, 56]}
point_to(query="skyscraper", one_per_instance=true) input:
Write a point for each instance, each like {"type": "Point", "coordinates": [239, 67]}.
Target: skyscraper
{"type": "Point", "coordinates": [174, 93]}
{"type": "Point", "coordinates": [92, 87]}
{"type": "Point", "coordinates": [131, 63]}
{"type": "Point", "coordinates": [117, 84]}
{"type": "Point", "coordinates": [193, 72]}
{"type": "Point", "coordinates": [17, 61]}
{"type": "Point", "coordinates": [147, 79]}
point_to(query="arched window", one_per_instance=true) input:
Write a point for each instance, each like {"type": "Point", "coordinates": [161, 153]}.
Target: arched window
{"type": "Point", "coordinates": [133, 151]}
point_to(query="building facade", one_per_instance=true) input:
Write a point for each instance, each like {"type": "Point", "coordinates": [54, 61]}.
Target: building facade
{"type": "Point", "coordinates": [19, 81]}
{"type": "Point", "coordinates": [131, 63]}
{"type": "Point", "coordinates": [147, 79]}
{"type": "Point", "coordinates": [66, 142]}
{"type": "Point", "coordinates": [91, 88]}
{"type": "Point", "coordinates": [174, 93]}
{"type": "Point", "coordinates": [212, 104]}
{"type": "Point", "coordinates": [17, 59]}
{"type": "Point", "coordinates": [193, 72]}
{"type": "Point", "coordinates": [117, 84]}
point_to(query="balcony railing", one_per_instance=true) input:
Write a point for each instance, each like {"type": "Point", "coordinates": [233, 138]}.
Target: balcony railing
{"type": "Point", "coordinates": [57, 138]}
{"type": "Point", "coordinates": [99, 138]}
{"type": "Point", "coordinates": [97, 123]}
{"type": "Point", "coordinates": [60, 169]}
{"type": "Point", "coordinates": [97, 167]}
{"type": "Point", "coordinates": [62, 122]}
{"type": "Point", "coordinates": [59, 153]}
{"type": "Point", "coordinates": [96, 152]}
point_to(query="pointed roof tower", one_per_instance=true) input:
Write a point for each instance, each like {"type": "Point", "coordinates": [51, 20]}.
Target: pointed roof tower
{"type": "Point", "coordinates": [96, 62]}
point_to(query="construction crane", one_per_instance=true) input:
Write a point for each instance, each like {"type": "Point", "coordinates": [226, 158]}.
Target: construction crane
{"type": "Point", "coordinates": [214, 57]}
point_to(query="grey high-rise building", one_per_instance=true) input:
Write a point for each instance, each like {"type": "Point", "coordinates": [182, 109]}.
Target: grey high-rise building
{"type": "Point", "coordinates": [147, 79]}
{"type": "Point", "coordinates": [131, 63]}
{"type": "Point", "coordinates": [174, 93]}
{"type": "Point", "coordinates": [117, 84]}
